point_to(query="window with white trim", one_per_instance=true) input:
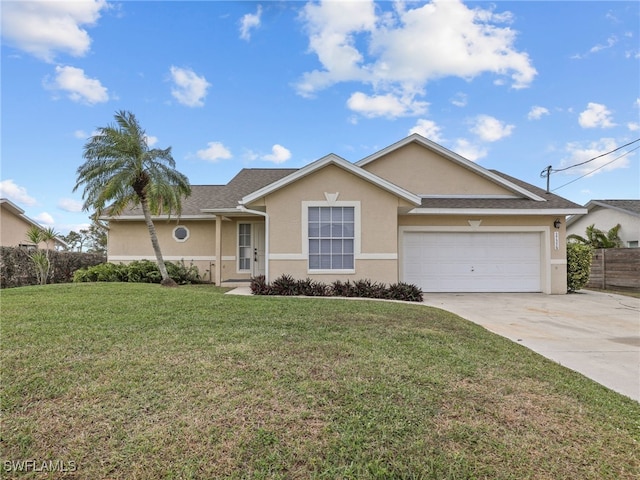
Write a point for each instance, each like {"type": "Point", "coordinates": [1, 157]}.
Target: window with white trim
{"type": "Point", "coordinates": [244, 246]}
{"type": "Point", "coordinates": [181, 233]}
{"type": "Point", "coordinates": [331, 235]}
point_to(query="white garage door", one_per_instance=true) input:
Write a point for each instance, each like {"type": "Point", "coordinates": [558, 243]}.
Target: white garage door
{"type": "Point", "coordinates": [472, 262]}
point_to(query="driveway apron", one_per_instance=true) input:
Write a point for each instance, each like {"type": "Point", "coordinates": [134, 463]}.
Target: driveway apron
{"type": "Point", "coordinates": [596, 334]}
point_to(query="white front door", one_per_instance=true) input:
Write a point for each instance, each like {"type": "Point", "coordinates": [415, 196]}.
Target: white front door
{"type": "Point", "coordinates": [258, 242]}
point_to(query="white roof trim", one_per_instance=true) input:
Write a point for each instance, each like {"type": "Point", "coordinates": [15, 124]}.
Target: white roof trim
{"type": "Point", "coordinates": [474, 196]}
{"type": "Point", "coordinates": [497, 211]}
{"type": "Point", "coordinates": [454, 157]}
{"type": "Point", "coordinates": [126, 218]}
{"type": "Point", "coordinates": [332, 159]}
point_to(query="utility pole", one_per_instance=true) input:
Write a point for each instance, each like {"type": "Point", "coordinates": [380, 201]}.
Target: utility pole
{"type": "Point", "coordinates": [546, 173]}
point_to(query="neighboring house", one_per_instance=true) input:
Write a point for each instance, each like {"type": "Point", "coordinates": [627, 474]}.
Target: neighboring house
{"type": "Point", "coordinates": [606, 214]}
{"type": "Point", "coordinates": [413, 212]}
{"type": "Point", "coordinates": [14, 225]}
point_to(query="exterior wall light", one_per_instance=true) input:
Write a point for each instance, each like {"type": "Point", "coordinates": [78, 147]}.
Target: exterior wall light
{"type": "Point", "coordinates": [557, 223]}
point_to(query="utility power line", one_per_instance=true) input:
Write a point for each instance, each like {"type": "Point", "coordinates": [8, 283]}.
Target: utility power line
{"type": "Point", "coordinates": [596, 169]}
{"type": "Point", "coordinates": [546, 173]}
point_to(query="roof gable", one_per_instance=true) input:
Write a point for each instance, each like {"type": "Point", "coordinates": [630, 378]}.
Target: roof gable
{"type": "Point", "coordinates": [441, 171]}
{"type": "Point", "coordinates": [630, 207]}
{"type": "Point", "coordinates": [340, 162]}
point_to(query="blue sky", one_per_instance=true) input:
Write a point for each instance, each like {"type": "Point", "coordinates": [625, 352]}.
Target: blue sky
{"type": "Point", "coordinates": [513, 86]}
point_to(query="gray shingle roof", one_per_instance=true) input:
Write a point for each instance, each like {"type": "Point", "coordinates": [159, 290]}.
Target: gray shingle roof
{"type": "Point", "coordinates": [553, 202]}
{"type": "Point", "coordinates": [225, 196]}
{"type": "Point", "coordinates": [248, 180]}
{"type": "Point", "coordinates": [630, 206]}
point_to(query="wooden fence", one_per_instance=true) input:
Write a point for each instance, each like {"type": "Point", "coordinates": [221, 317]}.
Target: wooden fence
{"type": "Point", "coordinates": [615, 269]}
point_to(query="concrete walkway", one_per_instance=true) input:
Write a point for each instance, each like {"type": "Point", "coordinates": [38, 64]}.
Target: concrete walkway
{"type": "Point", "coordinates": [596, 334]}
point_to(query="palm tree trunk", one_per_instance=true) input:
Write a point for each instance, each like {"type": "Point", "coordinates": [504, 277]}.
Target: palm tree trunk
{"type": "Point", "coordinates": [166, 280]}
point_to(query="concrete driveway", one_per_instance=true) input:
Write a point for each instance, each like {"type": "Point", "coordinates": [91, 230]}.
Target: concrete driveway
{"type": "Point", "coordinates": [596, 334]}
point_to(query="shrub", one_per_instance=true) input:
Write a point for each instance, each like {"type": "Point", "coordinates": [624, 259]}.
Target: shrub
{"type": "Point", "coordinates": [284, 285]}
{"type": "Point", "coordinates": [259, 285]}
{"type": "Point", "coordinates": [579, 258]}
{"type": "Point", "coordinates": [139, 271]}
{"type": "Point", "coordinates": [18, 270]}
{"type": "Point", "coordinates": [311, 288]}
{"type": "Point", "coordinates": [287, 285]}
{"type": "Point", "coordinates": [405, 291]}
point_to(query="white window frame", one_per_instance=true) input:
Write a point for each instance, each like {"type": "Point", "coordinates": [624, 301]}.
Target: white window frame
{"type": "Point", "coordinates": [356, 234]}
{"type": "Point", "coordinates": [181, 240]}
{"type": "Point", "coordinates": [238, 247]}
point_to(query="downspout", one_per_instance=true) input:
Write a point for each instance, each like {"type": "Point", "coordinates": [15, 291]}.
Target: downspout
{"type": "Point", "coordinates": [242, 208]}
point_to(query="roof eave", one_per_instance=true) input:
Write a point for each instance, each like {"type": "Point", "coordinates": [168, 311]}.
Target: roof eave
{"type": "Point", "coordinates": [341, 163]}
{"type": "Point", "coordinates": [498, 211]}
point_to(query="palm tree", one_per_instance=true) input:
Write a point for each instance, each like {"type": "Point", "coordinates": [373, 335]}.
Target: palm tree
{"type": "Point", "coordinates": [597, 238]}
{"type": "Point", "coordinates": [41, 258]}
{"type": "Point", "coordinates": [121, 171]}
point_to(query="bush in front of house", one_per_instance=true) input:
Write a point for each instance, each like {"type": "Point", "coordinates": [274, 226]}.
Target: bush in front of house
{"type": "Point", "coordinates": [579, 258]}
{"type": "Point", "coordinates": [17, 268]}
{"type": "Point", "coordinates": [288, 286]}
{"type": "Point", "coordinates": [139, 271]}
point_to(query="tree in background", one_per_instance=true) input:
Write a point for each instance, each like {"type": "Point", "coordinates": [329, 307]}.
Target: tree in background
{"type": "Point", "coordinates": [596, 238]}
{"type": "Point", "coordinates": [121, 171]}
{"type": "Point", "coordinates": [92, 239]}
{"type": "Point", "coordinates": [74, 241]}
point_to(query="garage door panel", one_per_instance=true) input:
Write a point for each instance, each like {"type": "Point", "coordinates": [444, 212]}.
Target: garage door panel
{"type": "Point", "coordinates": [472, 262]}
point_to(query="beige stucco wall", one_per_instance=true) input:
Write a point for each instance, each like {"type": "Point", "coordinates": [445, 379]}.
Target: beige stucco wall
{"type": "Point", "coordinates": [13, 230]}
{"type": "Point", "coordinates": [129, 240]}
{"type": "Point", "coordinates": [376, 258]}
{"type": "Point", "coordinates": [424, 172]}
{"type": "Point", "coordinates": [553, 244]}
{"type": "Point", "coordinates": [605, 219]}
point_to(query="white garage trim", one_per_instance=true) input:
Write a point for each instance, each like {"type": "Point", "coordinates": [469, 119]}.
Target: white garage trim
{"type": "Point", "coordinates": [544, 253]}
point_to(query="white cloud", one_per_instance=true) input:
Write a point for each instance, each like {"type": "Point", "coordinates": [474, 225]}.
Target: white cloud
{"type": "Point", "coordinates": [490, 129]}
{"type": "Point", "coordinates": [388, 105]}
{"type": "Point", "coordinates": [215, 151]}
{"type": "Point", "coordinates": [596, 115]}
{"type": "Point", "coordinates": [537, 112]}
{"type": "Point", "coordinates": [81, 134]}
{"type": "Point", "coordinates": [44, 218]}
{"type": "Point", "coordinates": [70, 205]}
{"type": "Point", "coordinates": [151, 140]}
{"type": "Point", "coordinates": [78, 86]}
{"type": "Point", "coordinates": [16, 193]}
{"type": "Point", "coordinates": [428, 129]}
{"type": "Point", "coordinates": [189, 89]}
{"type": "Point", "coordinates": [249, 22]}
{"type": "Point", "coordinates": [279, 154]}
{"type": "Point", "coordinates": [44, 28]}
{"type": "Point", "coordinates": [581, 152]}
{"type": "Point", "coordinates": [399, 52]}
{"type": "Point", "coordinates": [633, 126]}
{"type": "Point", "coordinates": [459, 100]}
{"type": "Point", "coordinates": [469, 150]}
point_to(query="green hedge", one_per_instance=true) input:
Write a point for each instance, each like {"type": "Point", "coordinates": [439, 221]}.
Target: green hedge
{"type": "Point", "coordinates": [17, 269]}
{"type": "Point", "coordinates": [579, 258]}
{"type": "Point", "coordinates": [287, 285]}
{"type": "Point", "coordinates": [139, 271]}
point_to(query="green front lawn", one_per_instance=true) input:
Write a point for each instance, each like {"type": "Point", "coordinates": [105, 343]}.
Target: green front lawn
{"type": "Point", "coordinates": [119, 381]}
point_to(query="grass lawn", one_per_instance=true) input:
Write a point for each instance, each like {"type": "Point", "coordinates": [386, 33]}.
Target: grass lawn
{"type": "Point", "coordinates": [122, 381]}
